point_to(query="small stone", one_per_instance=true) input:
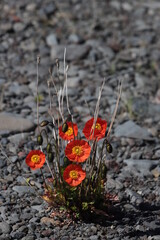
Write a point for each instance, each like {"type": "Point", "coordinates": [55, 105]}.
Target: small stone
{"type": "Point", "coordinates": [50, 8]}
{"type": "Point", "coordinates": [51, 40]}
{"type": "Point", "coordinates": [134, 197]}
{"type": "Point", "coordinates": [136, 155]}
{"type": "Point", "coordinates": [21, 190]}
{"type": "Point", "coordinates": [93, 229]}
{"type": "Point", "coordinates": [73, 52]}
{"type": "Point", "coordinates": [39, 208]}
{"type": "Point", "coordinates": [31, 7]}
{"type": "Point", "coordinates": [2, 163]}
{"type": "Point", "coordinates": [29, 237]}
{"type": "Point", "coordinates": [47, 221]}
{"type": "Point", "coordinates": [5, 227]}
{"type": "Point", "coordinates": [13, 158]}
{"type": "Point", "coordinates": [65, 238]}
{"type": "Point", "coordinates": [73, 38]}
{"type": "Point", "coordinates": [94, 237]}
{"type": "Point", "coordinates": [18, 27]}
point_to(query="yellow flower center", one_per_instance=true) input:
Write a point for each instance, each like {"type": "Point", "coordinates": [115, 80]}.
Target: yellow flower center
{"type": "Point", "coordinates": [77, 150]}
{"type": "Point", "coordinates": [98, 126]}
{"type": "Point", "coordinates": [73, 174]}
{"type": "Point", "coordinates": [69, 131]}
{"type": "Point", "coordinates": [35, 158]}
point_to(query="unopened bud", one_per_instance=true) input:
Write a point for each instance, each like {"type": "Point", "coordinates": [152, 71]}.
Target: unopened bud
{"type": "Point", "coordinates": [104, 171]}
{"type": "Point", "coordinates": [39, 139]}
{"type": "Point", "coordinates": [108, 147]}
{"type": "Point", "coordinates": [64, 127]}
{"type": "Point", "coordinates": [49, 147]}
{"type": "Point", "coordinates": [86, 181]}
{"type": "Point", "coordinates": [50, 156]}
{"type": "Point", "coordinates": [44, 123]}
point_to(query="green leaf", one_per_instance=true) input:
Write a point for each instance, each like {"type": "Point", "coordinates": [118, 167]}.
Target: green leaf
{"type": "Point", "coordinates": [84, 205]}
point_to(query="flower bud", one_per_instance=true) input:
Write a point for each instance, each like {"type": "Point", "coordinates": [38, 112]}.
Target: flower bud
{"type": "Point", "coordinates": [39, 139]}
{"type": "Point", "coordinates": [108, 147]}
{"type": "Point", "coordinates": [49, 147]}
{"type": "Point", "coordinates": [64, 127]}
{"type": "Point", "coordinates": [66, 161]}
{"type": "Point", "coordinates": [44, 123]}
{"type": "Point", "coordinates": [104, 171]}
{"type": "Point", "coordinates": [50, 156]}
{"type": "Point", "coordinates": [86, 181]}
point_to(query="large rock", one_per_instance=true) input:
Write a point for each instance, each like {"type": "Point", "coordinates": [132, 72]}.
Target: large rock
{"type": "Point", "coordinates": [73, 52]}
{"type": "Point", "coordinates": [130, 129]}
{"type": "Point", "coordinates": [10, 123]}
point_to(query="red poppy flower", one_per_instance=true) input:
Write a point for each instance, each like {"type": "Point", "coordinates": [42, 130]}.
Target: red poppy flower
{"type": "Point", "coordinates": [74, 175]}
{"type": "Point", "coordinates": [77, 150]}
{"type": "Point", "coordinates": [69, 134]}
{"type": "Point", "coordinates": [96, 131]}
{"type": "Point", "coordinates": [35, 159]}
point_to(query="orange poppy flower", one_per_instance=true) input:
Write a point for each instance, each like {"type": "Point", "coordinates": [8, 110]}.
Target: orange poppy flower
{"type": "Point", "coordinates": [35, 159]}
{"type": "Point", "coordinates": [69, 134]}
{"type": "Point", "coordinates": [74, 175]}
{"type": "Point", "coordinates": [77, 150]}
{"type": "Point", "coordinates": [95, 132]}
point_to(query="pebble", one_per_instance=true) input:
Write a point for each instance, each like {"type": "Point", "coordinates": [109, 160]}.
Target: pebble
{"type": "Point", "coordinates": [5, 227]}
{"type": "Point", "coordinates": [21, 190]}
{"type": "Point", "coordinates": [102, 42]}
{"type": "Point", "coordinates": [74, 52]}
{"type": "Point", "coordinates": [51, 40]}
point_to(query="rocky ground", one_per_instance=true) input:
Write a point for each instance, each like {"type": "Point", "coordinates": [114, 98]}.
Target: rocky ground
{"type": "Point", "coordinates": [104, 39]}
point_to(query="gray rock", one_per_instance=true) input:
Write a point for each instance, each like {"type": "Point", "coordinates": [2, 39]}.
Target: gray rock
{"type": "Point", "coordinates": [127, 7]}
{"type": "Point", "coordinates": [50, 8]}
{"type": "Point", "coordinates": [134, 197]}
{"type": "Point", "coordinates": [136, 155]}
{"type": "Point", "coordinates": [93, 229]}
{"type": "Point", "coordinates": [132, 130]}
{"type": "Point", "coordinates": [140, 80]}
{"type": "Point", "coordinates": [73, 38]}
{"type": "Point", "coordinates": [18, 27]}
{"type": "Point", "coordinates": [5, 227]}
{"type": "Point", "coordinates": [29, 237]}
{"type": "Point", "coordinates": [13, 158]}
{"type": "Point", "coordinates": [17, 138]}
{"type": "Point", "coordinates": [94, 237]}
{"type": "Point", "coordinates": [143, 167]}
{"type": "Point", "coordinates": [152, 5]}
{"type": "Point", "coordinates": [21, 190]}
{"type": "Point", "coordinates": [51, 40]}
{"type": "Point", "coordinates": [31, 7]}
{"type": "Point", "coordinates": [142, 108]}
{"type": "Point", "coordinates": [65, 238]}
{"type": "Point", "coordinates": [39, 208]}
{"type": "Point", "coordinates": [3, 162]}
{"type": "Point", "coordinates": [73, 81]}
{"type": "Point", "coordinates": [10, 123]}
{"type": "Point", "coordinates": [73, 52]}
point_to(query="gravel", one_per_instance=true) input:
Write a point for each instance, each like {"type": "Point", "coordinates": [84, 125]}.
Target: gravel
{"type": "Point", "coordinates": [104, 40]}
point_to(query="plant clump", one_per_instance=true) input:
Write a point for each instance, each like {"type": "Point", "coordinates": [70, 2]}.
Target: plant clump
{"type": "Point", "coordinates": [76, 163]}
